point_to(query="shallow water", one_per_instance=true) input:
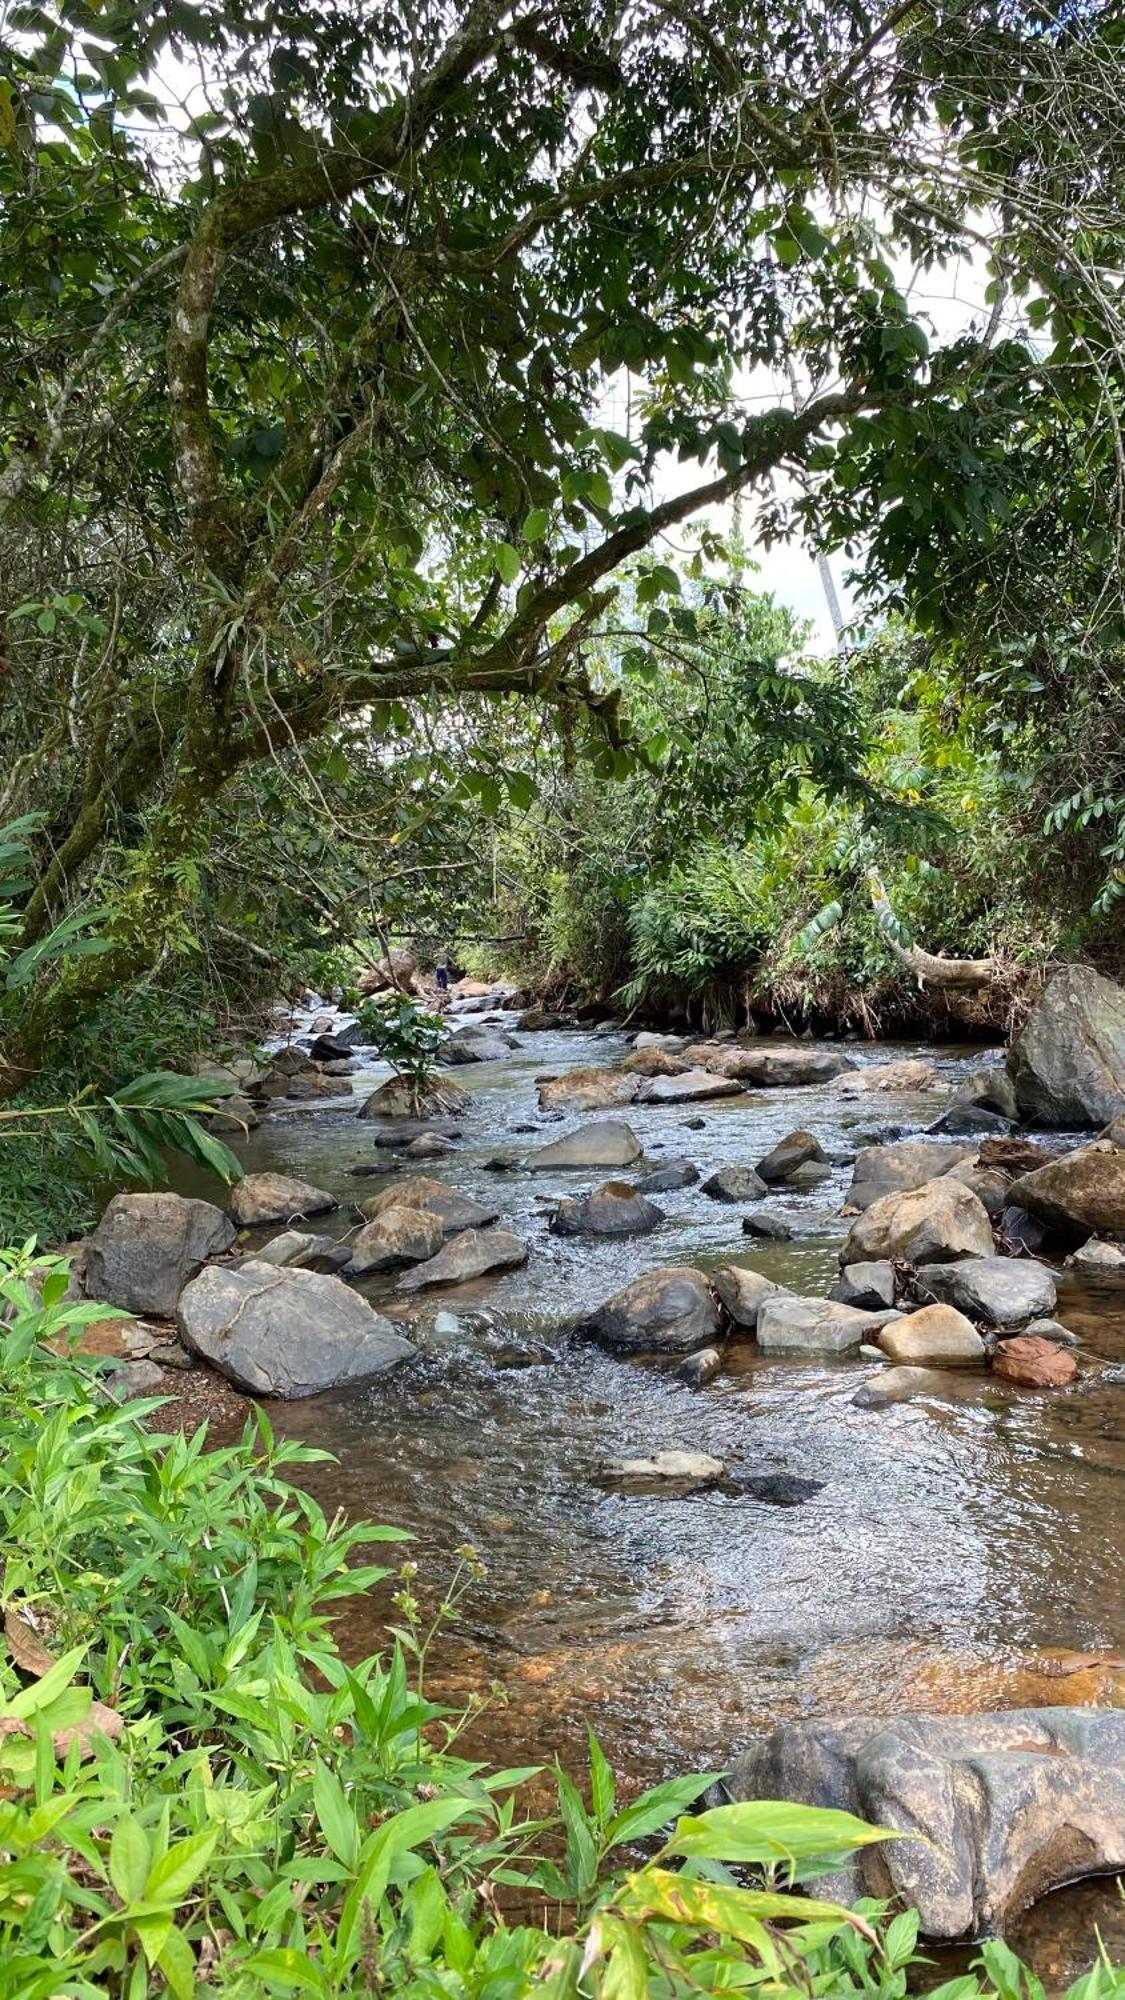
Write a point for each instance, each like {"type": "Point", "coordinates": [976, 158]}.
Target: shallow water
{"type": "Point", "coordinates": [947, 1553]}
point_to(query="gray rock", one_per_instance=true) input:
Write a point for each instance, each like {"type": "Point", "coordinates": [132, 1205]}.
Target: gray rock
{"type": "Point", "coordinates": [989, 1088]}
{"type": "Point", "coordinates": [989, 1184]}
{"type": "Point", "coordinates": [770, 1068]}
{"type": "Point", "coordinates": [696, 1468]}
{"type": "Point", "coordinates": [607, 1143]}
{"type": "Point", "coordinates": [881, 1170]}
{"type": "Point", "coordinates": [674, 1174]}
{"type": "Point", "coordinates": [477, 1045]}
{"type": "Point", "coordinates": [1010, 1804]}
{"type": "Point", "coordinates": [960, 1119]}
{"type": "Point", "coordinates": [666, 1311]}
{"type": "Point", "coordinates": [672, 1043]}
{"type": "Point", "coordinates": [865, 1285]}
{"type": "Point", "coordinates": [262, 1198]}
{"type": "Point", "coordinates": [330, 1049]}
{"type": "Point", "coordinates": [285, 1333]}
{"type": "Point", "coordinates": [614, 1209]}
{"type": "Point", "coordinates": [454, 1210]}
{"type": "Point", "coordinates": [699, 1369]}
{"type": "Point", "coordinates": [905, 1073]}
{"type": "Point", "coordinates": [767, 1223]}
{"type": "Point", "coordinates": [428, 1146]}
{"type": "Point", "coordinates": [1051, 1329]}
{"type": "Point", "coordinates": [147, 1246]}
{"type": "Point", "coordinates": [805, 1178]}
{"type": "Point", "coordinates": [693, 1086]}
{"type": "Point", "coordinates": [997, 1291]}
{"type": "Point", "coordinates": [742, 1293]}
{"type": "Point", "coordinates": [1081, 1193]}
{"type": "Point", "coordinates": [734, 1184]}
{"type": "Point", "coordinates": [298, 1248]}
{"type": "Point", "coordinates": [932, 1224]}
{"type": "Point", "coordinates": [1021, 1230]}
{"type": "Point", "coordinates": [791, 1325]}
{"type": "Point", "coordinates": [398, 1135]}
{"type": "Point", "coordinates": [797, 1149]}
{"type": "Point", "coordinates": [1068, 1065]}
{"type": "Point", "coordinates": [395, 1236]}
{"type": "Point", "coordinates": [1097, 1260]}
{"type": "Point", "coordinates": [136, 1378]}
{"type": "Point", "coordinates": [235, 1114]}
{"type": "Point", "coordinates": [472, 1254]}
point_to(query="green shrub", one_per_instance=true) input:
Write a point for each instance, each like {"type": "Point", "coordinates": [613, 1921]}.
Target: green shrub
{"type": "Point", "coordinates": [199, 1795]}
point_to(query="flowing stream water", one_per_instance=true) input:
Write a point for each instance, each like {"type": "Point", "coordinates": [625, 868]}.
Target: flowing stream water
{"type": "Point", "coordinates": [951, 1553]}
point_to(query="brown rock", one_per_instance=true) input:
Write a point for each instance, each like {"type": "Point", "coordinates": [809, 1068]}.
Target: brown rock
{"type": "Point", "coordinates": [936, 1337]}
{"type": "Point", "coordinates": [932, 1224]}
{"type": "Point", "coordinates": [653, 1062]}
{"type": "Point", "coordinates": [1035, 1363]}
{"type": "Point", "coordinates": [1083, 1191]}
{"type": "Point", "coordinates": [587, 1090]}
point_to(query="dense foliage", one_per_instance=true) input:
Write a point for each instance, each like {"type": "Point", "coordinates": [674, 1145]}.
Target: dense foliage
{"type": "Point", "coordinates": [202, 1796]}
{"type": "Point", "coordinates": [309, 485]}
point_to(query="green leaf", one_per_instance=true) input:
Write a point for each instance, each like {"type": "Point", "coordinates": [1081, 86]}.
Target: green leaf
{"type": "Point", "coordinates": [337, 1817]}
{"type": "Point", "coordinates": [176, 1960]}
{"type": "Point", "coordinates": [602, 1789]}
{"type": "Point", "coordinates": [656, 1807]}
{"type": "Point", "coordinates": [172, 1876]}
{"type": "Point", "coordinates": [508, 561]}
{"type": "Point", "coordinates": [129, 1859]}
{"type": "Point", "coordinates": [766, 1830]}
{"type": "Point", "coordinates": [536, 525]}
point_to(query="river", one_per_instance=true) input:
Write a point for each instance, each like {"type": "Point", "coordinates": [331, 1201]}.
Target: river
{"type": "Point", "coordinates": [945, 1554]}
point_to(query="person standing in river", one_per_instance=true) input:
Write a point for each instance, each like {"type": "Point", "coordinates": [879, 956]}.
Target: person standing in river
{"type": "Point", "coordinates": [441, 973]}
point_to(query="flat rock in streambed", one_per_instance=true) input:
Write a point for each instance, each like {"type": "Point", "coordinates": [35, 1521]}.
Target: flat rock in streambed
{"type": "Point", "coordinates": [937, 1337]}
{"type": "Point", "coordinates": [742, 1293]}
{"type": "Point", "coordinates": [285, 1333]}
{"type": "Point", "coordinates": [669, 1178]}
{"type": "Point", "coordinates": [696, 1468]}
{"type": "Point", "coordinates": [932, 1224]}
{"type": "Point", "coordinates": [653, 1062]}
{"type": "Point", "coordinates": [668, 1311]}
{"type": "Point", "coordinates": [881, 1170]}
{"type": "Point", "coordinates": [1010, 1804]}
{"type": "Point", "coordinates": [147, 1247]}
{"type": "Point", "coordinates": [1068, 1063]}
{"type": "Point", "coordinates": [791, 1325]}
{"type": "Point", "coordinates": [904, 1385]}
{"type": "Point", "coordinates": [607, 1143]}
{"type": "Point", "coordinates": [397, 1098]}
{"type": "Point", "coordinates": [905, 1073]}
{"type": "Point", "coordinates": [301, 1249]}
{"type": "Point", "coordinates": [587, 1090]}
{"type": "Point", "coordinates": [769, 1068]}
{"type": "Point", "coordinates": [397, 1235]}
{"type": "Point", "coordinates": [472, 1254]}
{"type": "Point", "coordinates": [734, 1184]}
{"type": "Point", "coordinates": [1081, 1193]}
{"type": "Point", "coordinates": [693, 1086]}
{"type": "Point", "coordinates": [260, 1198]}
{"type": "Point", "coordinates": [1097, 1260]}
{"type": "Point", "coordinates": [454, 1210]}
{"type": "Point", "coordinates": [398, 1135]}
{"type": "Point", "coordinates": [614, 1209]}
{"type": "Point", "coordinates": [996, 1291]}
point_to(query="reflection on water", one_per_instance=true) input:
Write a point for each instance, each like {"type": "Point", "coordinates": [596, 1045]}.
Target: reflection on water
{"type": "Point", "coordinates": [950, 1555]}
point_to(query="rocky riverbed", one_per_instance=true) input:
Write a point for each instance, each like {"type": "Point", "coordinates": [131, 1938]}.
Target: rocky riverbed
{"type": "Point", "coordinates": [829, 1545]}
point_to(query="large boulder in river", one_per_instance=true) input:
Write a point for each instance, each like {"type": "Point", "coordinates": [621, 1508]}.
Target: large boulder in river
{"type": "Point", "coordinates": [791, 1325]}
{"type": "Point", "coordinates": [147, 1246]}
{"type": "Point", "coordinates": [932, 1224]}
{"type": "Point", "coordinates": [669, 1311]}
{"type": "Point", "coordinates": [260, 1198]}
{"type": "Point", "coordinates": [400, 1098]}
{"type": "Point", "coordinates": [768, 1068]}
{"type": "Point", "coordinates": [587, 1090]}
{"type": "Point", "coordinates": [477, 1045]}
{"type": "Point", "coordinates": [607, 1143]}
{"type": "Point", "coordinates": [742, 1293]}
{"type": "Point", "coordinates": [473, 1254]}
{"type": "Point", "coordinates": [996, 1291]}
{"type": "Point", "coordinates": [988, 1088]}
{"type": "Point", "coordinates": [881, 1170]}
{"type": "Point", "coordinates": [1068, 1064]}
{"type": "Point", "coordinates": [796, 1150]}
{"type": "Point", "coordinates": [936, 1337]}
{"type": "Point", "coordinates": [454, 1210]}
{"type": "Point", "coordinates": [396, 1236]}
{"type": "Point", "coordinates": [734, 1184]}
{"type": "Point", "coordinates": [1083, 1193]}
{"type": "Point", "coordinates": [1010, 1804]}
{"type": "Point", "coordinates": [614, 1209]}
{"type": "Point", "coordinates": [285, 1333]}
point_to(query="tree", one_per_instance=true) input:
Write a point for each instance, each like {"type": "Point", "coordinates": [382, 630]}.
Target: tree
{"type": "Point", "coordinates": [303, 404]}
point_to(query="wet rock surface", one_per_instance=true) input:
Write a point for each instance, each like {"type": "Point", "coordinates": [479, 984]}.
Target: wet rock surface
{"type": "Point", "coordinates": [286, 1333]}
{"type": "Point", "coordinates": [996, 1291]}
{"type": "Point", "coordinates": [931, 1224]}
{"type": "Point", "coordinates": [147, 1247]}
{"type": "Point", "coordinates": [666, 1311]}
{"type": "Point", "coordinates": [1009, 1804]}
